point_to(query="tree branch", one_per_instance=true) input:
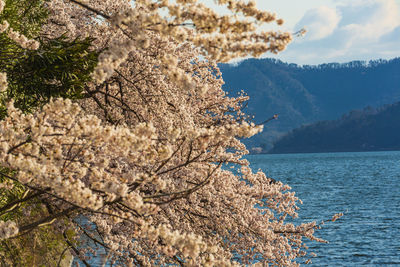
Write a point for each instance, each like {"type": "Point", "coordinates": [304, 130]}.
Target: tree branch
{"type": "Point", "coordinates": [10, 206]}
{"type": "Point", "coordinates": [47, 220]}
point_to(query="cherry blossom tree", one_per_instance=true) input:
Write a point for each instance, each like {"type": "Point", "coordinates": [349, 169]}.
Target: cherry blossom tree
{"type": "Point", "coordinates": [137, 148]}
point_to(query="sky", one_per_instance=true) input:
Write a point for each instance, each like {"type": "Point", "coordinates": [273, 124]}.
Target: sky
{"type": "Point", "coordinates": [338, 30]}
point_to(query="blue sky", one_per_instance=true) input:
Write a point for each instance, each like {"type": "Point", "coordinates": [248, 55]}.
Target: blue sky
{"type": "Point", "coordinates": [338, 30]}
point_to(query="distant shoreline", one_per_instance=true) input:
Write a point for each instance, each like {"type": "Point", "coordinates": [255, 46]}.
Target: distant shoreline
{"type": "Point", "coordinates": [325, 152]}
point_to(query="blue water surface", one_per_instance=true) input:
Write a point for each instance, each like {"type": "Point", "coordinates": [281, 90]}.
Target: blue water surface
{"type": "Point", "coordinates": [363, 185]}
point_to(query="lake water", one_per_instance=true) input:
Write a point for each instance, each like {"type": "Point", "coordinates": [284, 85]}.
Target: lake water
{"type": "Point", "coordinates": [365, 186]}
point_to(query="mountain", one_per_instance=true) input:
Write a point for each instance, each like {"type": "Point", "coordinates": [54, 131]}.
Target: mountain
{"type": "Point", "coordinates": [360, 130]}
{"type": "Point", "coordinates": [306, 94]}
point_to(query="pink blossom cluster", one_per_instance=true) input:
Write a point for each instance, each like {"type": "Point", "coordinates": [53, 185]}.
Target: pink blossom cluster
{"type": "Point", "coordinates": [4, 26]}
{"type": "Point", "coordinates": [8, 229]}
{"type": "Point", "coordinates": [3, 81]}
{"type": "Point", "coordinates": [22, 40]}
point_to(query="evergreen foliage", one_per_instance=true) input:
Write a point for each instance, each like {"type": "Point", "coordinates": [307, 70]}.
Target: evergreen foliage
{"type": "Point", "coordinates": [59, 68]}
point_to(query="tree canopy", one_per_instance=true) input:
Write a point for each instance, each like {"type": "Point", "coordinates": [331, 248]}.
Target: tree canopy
{"type": "Point", "coordinates": [114, 115]}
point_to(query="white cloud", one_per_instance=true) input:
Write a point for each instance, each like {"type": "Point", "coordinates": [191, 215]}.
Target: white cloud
{"type": "Point", "coordinates": [355, 29]}
{"type": "Point", "coordinates": [369, 19]}
{"type": "Point", "coordinates": [319, 22]}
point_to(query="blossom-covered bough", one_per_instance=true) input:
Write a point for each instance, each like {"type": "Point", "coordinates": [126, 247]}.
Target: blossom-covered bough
{"type": "Point", "coordinates": [140, 155]}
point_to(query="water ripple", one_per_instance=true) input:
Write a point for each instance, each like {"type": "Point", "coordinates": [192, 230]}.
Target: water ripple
{"type": "Point", "coordinates": [366, 186]}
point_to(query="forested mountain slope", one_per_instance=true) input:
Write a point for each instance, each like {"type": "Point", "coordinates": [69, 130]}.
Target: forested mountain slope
{"type": "Point", "coordinates": [306, 94]}
{"type": "Point", "coordinates": [366, 130]}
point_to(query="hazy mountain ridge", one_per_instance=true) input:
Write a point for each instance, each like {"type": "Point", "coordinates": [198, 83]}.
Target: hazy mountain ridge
{"type": "Point", "coordinates": [360, 130]}
{"type": "Point", "coordinates": [306, 94]}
